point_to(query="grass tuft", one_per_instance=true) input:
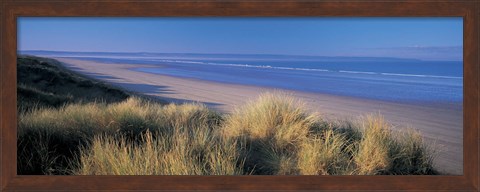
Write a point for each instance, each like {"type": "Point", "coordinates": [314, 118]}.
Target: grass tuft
{"type": "Point", "coordinates": [325, 155]}
{"type": "Point", "coordinates": [381, 151]}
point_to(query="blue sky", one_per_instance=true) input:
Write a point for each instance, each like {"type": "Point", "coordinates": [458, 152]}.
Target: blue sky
{"type": "Point", "coordinates": [432, 38]}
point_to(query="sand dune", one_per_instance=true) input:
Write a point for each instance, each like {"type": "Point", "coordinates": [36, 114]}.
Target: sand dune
{"type": "Point", "coordinates": [439, 123]}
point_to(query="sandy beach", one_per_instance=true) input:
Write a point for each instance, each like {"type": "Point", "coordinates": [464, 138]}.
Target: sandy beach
{"type": "Point", "coordinates": [441, 124]}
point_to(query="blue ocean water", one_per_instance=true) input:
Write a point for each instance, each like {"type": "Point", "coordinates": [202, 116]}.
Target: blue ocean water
{"type": "Point", "coordinates": [389, 79]}
{"type": "Point", "coordinates": [394, 81]}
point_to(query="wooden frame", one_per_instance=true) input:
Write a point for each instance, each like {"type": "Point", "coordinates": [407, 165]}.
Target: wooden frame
{"type": "Point", "coordinates": [10, 10]}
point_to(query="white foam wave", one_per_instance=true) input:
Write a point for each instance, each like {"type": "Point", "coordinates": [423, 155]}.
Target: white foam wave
{"type": "Point", "coordinates": [239, 65]}
{"type": "Point", "coordinates": [360, 72]}
{"type": "Point", "coordinates": [269, 67]}
{"type": "Point", "coordinates": [308, 69]}
{"type": "Point", "coordinates": [414, 75]}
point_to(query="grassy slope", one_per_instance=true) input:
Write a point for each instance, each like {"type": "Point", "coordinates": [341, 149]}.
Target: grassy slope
{"type": "Point", "coordinates": [44, 82]}
{"type": "Point", "coordinates": [72, 133]}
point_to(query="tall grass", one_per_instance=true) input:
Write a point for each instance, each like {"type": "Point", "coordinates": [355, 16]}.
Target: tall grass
{"type": "Point", "coordinates": [382, 152]}
{"type": "Point", "coordinates": [272, 127]}
{"type": "Point", "coordinates": [166, 156]}
{"type": "Point", "coordinates": [325, 155]}
{"type": "Point", "coordinates": [270, 135]}
{"type": "Point", "coordinates": [179, 140]}
{"type": "Point", "coordinates": [276, 117]}
{"type": "Point", "coordinates": [135, 126]}
{"type": "Point", "coordinates": [373, 154]}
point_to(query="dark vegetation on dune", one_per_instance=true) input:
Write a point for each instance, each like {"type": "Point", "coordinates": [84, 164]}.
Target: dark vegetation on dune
{"type": "Point", "coordinates": [43, 82]}
{"type": "Point", "coordinates": [70, 124]}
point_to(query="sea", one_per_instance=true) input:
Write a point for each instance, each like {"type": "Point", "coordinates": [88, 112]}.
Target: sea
{"type": "Point", "coordinates": [387, 79]}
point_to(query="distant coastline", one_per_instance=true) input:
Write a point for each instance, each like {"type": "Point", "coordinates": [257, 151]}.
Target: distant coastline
{"type": "Point", "coordinates": [47, 53]}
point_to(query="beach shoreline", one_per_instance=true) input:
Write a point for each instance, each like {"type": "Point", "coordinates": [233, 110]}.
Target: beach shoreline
{"type": "Point", "coordinates": [440, 123]}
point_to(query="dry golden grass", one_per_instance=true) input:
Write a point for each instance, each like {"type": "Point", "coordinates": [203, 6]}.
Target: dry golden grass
{"type": "Point", "coordinates": [373, 151]}
{"type": "Point", "coordinates": [271, 127]}
{"type": "Point", "coordinates": [161, 156]}
{"type": "Point", "coordinates": [270, 135]}
{"type": "Point", "coordinates": [325, 155]}
{"type": "Point", "coordinates": [381, 151]}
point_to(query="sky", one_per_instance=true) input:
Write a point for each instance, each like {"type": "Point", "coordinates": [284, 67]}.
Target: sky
{"type": "Point", "coordinates": [427, 38]}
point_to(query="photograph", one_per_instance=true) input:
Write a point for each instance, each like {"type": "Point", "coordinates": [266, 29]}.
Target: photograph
{"type": "Point", "coordinates": [240, 95]}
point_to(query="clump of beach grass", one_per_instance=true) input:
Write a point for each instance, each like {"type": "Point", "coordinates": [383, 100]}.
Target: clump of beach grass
{"type": "Point", "coordinates": [276, 117]}
{"type": "Point", "coordinates": [325, 155]}
{"type": "Point", "coordinates": [158, 156]}
{"type": "Point", "coordinates": [381, 151]}
{"type": "Point", "coordinates": [271, 127]}
{"type": "Point", "coordinates": [373, 156]}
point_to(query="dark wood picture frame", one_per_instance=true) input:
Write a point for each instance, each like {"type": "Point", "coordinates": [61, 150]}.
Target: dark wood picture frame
{"type": "Point", "coordinates": [11, 10]}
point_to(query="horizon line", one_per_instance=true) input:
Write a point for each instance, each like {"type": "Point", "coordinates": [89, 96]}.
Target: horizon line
{"type": "Point", "coordinates": [264, 54]}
